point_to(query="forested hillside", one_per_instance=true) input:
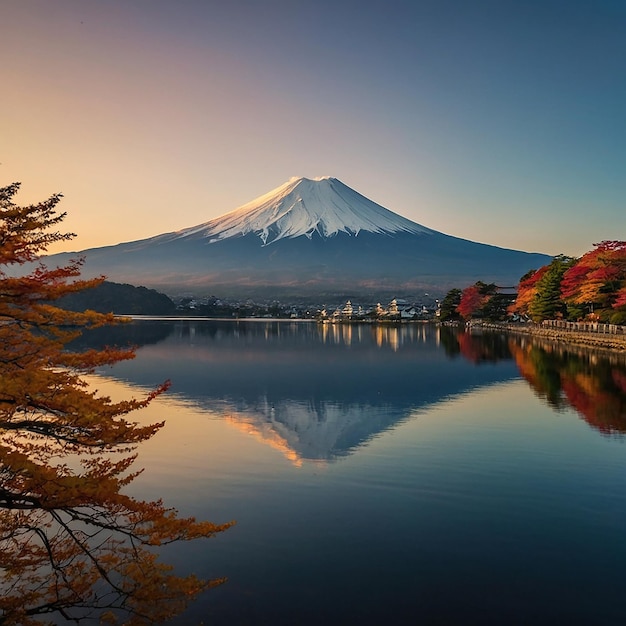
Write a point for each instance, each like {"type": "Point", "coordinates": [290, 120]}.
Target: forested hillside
{"type": "Point", "coordinates": [122, 299]}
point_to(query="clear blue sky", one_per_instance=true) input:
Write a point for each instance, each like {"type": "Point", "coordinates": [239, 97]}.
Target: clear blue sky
{"type": "Point", "coordinates": [498, 121]}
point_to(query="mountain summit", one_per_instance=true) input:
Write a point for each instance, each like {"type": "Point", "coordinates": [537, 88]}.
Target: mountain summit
{"type": "Point", "coordinates": [303, 206]}
{"type": "Point", "coordinates": [314, 239]}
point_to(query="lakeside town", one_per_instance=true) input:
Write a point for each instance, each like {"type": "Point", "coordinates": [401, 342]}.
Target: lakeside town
{"type": "Point", "coordinates": [398, 309]}
{"type": "Point", "coordinates": [590, 332]}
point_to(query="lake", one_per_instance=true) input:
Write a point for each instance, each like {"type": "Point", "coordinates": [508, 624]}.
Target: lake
{"type": "Point", "coordinates": [385, 474]}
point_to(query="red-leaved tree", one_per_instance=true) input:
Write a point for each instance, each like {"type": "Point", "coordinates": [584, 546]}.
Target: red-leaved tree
{"type": "Point", "coordinates": [474, 298]}
{"type": "Point", "coordinates": [598, 278]}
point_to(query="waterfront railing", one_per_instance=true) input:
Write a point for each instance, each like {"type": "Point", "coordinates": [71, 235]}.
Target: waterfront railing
{"type": "Point", "coordinates": [585, 327]}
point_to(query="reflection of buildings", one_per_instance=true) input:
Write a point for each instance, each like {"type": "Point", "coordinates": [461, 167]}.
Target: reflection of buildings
{"type": "Point", "coordinates": [396, 336]}
{"type": "Point", "coordinates": [341, 334]}
{"type": "Point", "coordinates": [393, 336]}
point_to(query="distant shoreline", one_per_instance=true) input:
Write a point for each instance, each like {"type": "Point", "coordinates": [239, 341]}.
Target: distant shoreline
{"type": "Point", "coordinates": [201, 318]}
{"type": "Point", "coordinates": [612, 342]}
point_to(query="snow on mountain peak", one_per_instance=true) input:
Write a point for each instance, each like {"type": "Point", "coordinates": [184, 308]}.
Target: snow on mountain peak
{"type": "Point", "coordinates": [305, 206]}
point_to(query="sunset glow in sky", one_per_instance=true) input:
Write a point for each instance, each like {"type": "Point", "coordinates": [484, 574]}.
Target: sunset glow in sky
{"type": "Point", "coordinates": [498, 121]}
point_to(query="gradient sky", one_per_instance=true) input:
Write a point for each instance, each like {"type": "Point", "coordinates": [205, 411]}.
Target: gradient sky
{"type": "Point", "coordinates": [499, 121]}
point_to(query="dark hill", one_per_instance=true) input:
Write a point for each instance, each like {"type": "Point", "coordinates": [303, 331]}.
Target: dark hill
{"type": "Point", "coordinates": [122, 299]}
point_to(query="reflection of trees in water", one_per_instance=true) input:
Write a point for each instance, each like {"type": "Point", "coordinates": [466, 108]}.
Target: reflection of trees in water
{"type": "Point", "coordinates": [141, 332]}
{"type": "Point", "coordinates": [593, 383]}
{"type": "Point", "coordinates": [590, 382]}
{"type": "Point", "coordinates": [478, 348]}
{"type": "Point", "coordinates": [538, 370]}
{"type": "Point", "coordinates": [137, 334]}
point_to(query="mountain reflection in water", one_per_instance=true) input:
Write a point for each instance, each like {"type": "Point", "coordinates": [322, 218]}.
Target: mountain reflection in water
{"type": "Point", "coordinates": [319, 392]}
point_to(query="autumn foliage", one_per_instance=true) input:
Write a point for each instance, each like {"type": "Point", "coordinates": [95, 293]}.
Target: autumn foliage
{"type": "Point", "coordinates": [72, 544]}
{"type": "Point", "coordinates": [599, 277]}
{"type": "Point", "coordinates": [593, 286]}
{"type": "Point", "coordinates": [527, 291]}
{"type": "Point", "coordinates": [474, 298]}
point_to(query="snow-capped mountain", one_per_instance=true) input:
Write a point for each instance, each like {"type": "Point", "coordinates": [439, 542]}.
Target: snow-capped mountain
{"type": "Point", "coordinates": [322, 206]}
{"type": "Point", "coordinates": [314, 238]}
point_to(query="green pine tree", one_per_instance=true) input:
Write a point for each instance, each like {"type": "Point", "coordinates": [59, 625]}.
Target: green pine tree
{"type": "Point", "coordinates": [547, 303]}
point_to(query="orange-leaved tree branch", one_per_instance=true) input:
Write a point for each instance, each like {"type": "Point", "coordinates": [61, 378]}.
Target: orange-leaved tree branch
{"type": "Point", "coordinates": [72, 544]}
{"type": "Point", "coordinates": [598, 279]}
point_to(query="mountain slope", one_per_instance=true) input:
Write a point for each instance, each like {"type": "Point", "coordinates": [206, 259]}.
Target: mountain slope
{"type": "Point", "coordinates": [304, 207]}
{"type": "Point", "coordinates": [307, 238]}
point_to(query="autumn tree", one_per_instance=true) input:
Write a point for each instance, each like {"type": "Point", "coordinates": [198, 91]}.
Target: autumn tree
{"type": "Point", "coordinates": [72, 544]}
{"type": "Point", "coordinates": [527, 291]}
{"type": "Point", "coordinates": [539, 291]}
{"type": "Point", "coordinates": [598, 282]}
{"type": "Point", "coordinates": [474, 298]}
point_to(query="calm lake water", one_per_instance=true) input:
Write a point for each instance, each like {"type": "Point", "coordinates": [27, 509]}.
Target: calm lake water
{"type": "Point", "coordinates": [386, 475]}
